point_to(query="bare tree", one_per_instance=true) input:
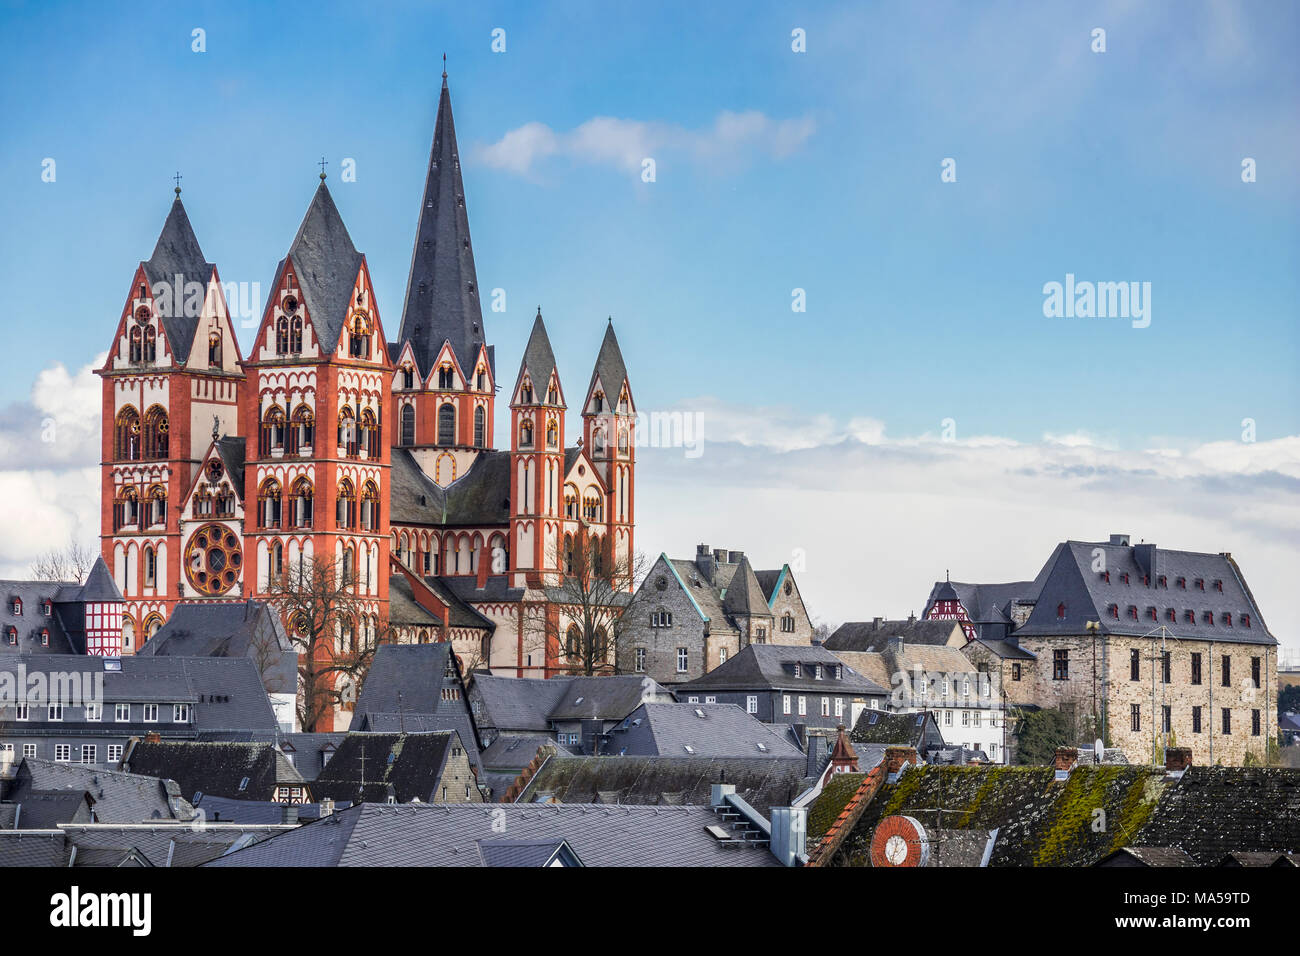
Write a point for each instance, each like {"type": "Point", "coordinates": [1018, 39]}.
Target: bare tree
{"type": "Point", "coordinates": [595, 590]}
{"type": "Point", "coordinates": [822, 629]}
{"type": "Point", "coordinates": [69, 563]}
{"type": "Point", "coordinates": [324, 616]}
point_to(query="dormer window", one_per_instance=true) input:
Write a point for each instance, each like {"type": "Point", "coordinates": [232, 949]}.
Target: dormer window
{"type": "Point", "coordinates": [1200, 584]}
{"type": "Point", "coordinates": [1245, 620]}
{"type": "Point", "coordinates": [1114, 610]}
{"type": "Point", "coordinates": [1190, 616]}
{"type": "Point", "coordinates": [1151, 612]}
{"type": "Point", "coordinates": [17, 606]}
{"type": "Point", "coordinates": [1208, 618]}
{"type": "Point", "coordinates": [798, 669]}
{"type": "Point", "coordinates": [1218, 586]}
{"type": "Point", "coordinates": [1182, 583]}
{"type": "Point", "coordinates": [1060, 612]}
{"type": "Point", "coordinates": [839, 672]}
{"type": "Point", "coordinates": [1124, 577]}
{"type": "Point", "coordinates": [1105, 576]}
{"type": "Point", "coordinates": [817, 674]}
{"type": "Point", "coordinates": [1163, 581]}
{"type": "Point", "coordinates": [45, 637]}
{"type": "Point", "coordinates": [1172, 615]}
{"type": "Point", "coordinates": [1227, 619]}
{"type": "Point", "coordinates": [47, 608]}
{"type": "Point", "coordinates": [1133, 612]}
{"type": "Point", "coordinates": [11, 634]}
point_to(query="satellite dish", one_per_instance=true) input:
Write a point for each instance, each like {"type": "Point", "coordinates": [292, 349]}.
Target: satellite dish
{"type": "Point", "coordinates": [900, 841]}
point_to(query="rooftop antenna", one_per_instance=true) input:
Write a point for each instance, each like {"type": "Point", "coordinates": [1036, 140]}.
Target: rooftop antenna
{"type": "Point", "coordinates": [177, 177]}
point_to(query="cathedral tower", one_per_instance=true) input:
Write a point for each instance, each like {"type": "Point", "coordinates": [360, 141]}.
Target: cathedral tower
{"type": "Point", "coordinates": [609, 438]}
{"type": "Point", "coordinates": [446, 375]}
{"type": "Point", "coordinates": [172, 378]}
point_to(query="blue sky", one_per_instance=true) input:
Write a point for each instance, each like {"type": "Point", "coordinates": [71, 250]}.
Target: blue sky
{"type": "Point", "coordinates": [924, 298]}
{"type": "Point", "coordinates": [775, 171]}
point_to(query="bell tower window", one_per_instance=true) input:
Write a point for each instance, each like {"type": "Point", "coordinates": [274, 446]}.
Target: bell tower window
{"type": "Point", "coordinates": [447, 424]}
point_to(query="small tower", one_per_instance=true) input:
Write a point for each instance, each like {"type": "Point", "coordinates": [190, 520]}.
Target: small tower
{"type": "Point", "coordinates": [537, 462]}
{"type": "Point", "coordinates": [609, 439]}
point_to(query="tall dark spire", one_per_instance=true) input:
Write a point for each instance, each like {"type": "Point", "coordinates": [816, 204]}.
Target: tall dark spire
{"type": "Point", "coordinates": [327, 264]}
{"type": "Point", "coordinates": [538, 361]}
{"type": "Point", "coordinates": [176, 262]}
{"type": "Point", "coordinates": [442, 294]}
{"type": "Point", "coordinates": [609, 370]}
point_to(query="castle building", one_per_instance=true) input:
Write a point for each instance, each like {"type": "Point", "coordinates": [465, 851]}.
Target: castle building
{"type": "Point", "coordinates": [1144, 647]}
{"type": "Point", "coordinates": [329, 441]}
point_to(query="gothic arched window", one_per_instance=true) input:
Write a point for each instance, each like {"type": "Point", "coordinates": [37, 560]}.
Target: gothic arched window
{"type": "Point", "coordinates": [622, 441]}
{"type": "Point", "coordinates": [369, 433]}
{"type": "Point", "coordinates": [272, 434]}
{"type": "Point", "coordinates": [480, 427]}
{"type": "Point", "coordinates": [303, 431]}
{"type": "Point", "coordinates": [447, 424]}
{"type": "Point", "coordinates": [269, 502]}
{"type": "Point", "coordinates": [552, 433]}
{"type": "Point", "coordinates": [126, 509]}
{"type": "Point", "coordinates": [302, 503]}
{"type": "Point", "coordinates": [126, 444]}
{"type": "Point", "coordinates": [347, 433]}
{"type": "Point", "coordinates": [157, 505]}
{"type": "Point", "coordinates": [150, 344]}
{"type": "Point", "coordinates": [135, 349]}
{"type": "Point", "coordinates": [408, 425]}
{"type": "Point", "coordinates": [369, 507]}
{"type": "Point", "coordinates": [155, 432]}
{"type": "Point", "coordinates": [525, 434]}
{"type": "Point", "coordinates": [446, 377]}
{"type": "Point", "coordinates": [573, 641]}
{"type": "Point", "coordinates": [214, 350]}
{"type": "Point", "coordinates": [281, 335]}
{"type": "Point", "coordinates": [359, 336]}
{"type": "Point", "coordinates": [295, 334]}
{"type": "Point", "coordinates": [347, 505]}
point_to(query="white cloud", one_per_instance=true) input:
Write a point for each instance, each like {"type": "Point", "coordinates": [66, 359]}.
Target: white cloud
{"type": "Point", "coordinates": [623, 143]}
{"type": "Point", "coordinates": [879, 520]}
{"type": "Point", "coordinates": [60, 424]}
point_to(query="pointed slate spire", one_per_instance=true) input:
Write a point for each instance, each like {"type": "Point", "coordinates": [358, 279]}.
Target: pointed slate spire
{"type": "Point", "coordinates": [100, 586]}
{"type": "Point", "coordinates": [442, 297]}
{"type": "Point", "coordinates": [609, 370]}
{"type": "Point", "coordinates": [326, 263]}
{"type": "Point", "coordinates": [176, 262]}
{"type": "Point", "coordinates": [538, 361]}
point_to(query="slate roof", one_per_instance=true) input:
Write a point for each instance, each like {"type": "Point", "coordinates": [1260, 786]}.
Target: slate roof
{"type": "Point", "coordinates": [744, 595]}
{"type": "Point", "coordinates": [409, 679]}
{"type": "Point", "coordinates": [182, 845]}
{"type": "Point", "coordinates": [119, 797]}
{"type": "Point", "coordinates": [46, 809]}
{"type": "Point", "coordinates": [304, 750]}
{"type": "Point", "coordinates": [448, 835]}
{"type": "Point", "coordinates": [233, 451]}
{"type": "Point", "coordinates": [870, 636]}
{"type": "Point", "coordinates": [1212, 811]}
{"type": "Point", "coordinates": [899, 730]}
{"type": "Point", "coordinates": [177, 252]}
{"type": "Point", "coordinates": [33, 848]}
{"type": "Point", "coordinates": [226, 769]}
{"type": "Point", "coordinates": [442, 294]}
{"type": "Point", "coordinates": [1068, 579]}
{"type": "Point", "coordinates": [604, 698]}
{"type": "Point", "coordinates": [763, 782]}
{"type": "Point", "coordinates": [1150, 856]}
{"type": "Point", "coordinates": [525, 853]}
{"type": "Point", "coordinates": [1005, 649]}
{"type": "Point", "coordinates": [99, 586]}
{"type": "Point", "coordinates": [29, 624]}
{"type": "Point", "coordinates": [706, 596]}
{"type": "Point", "coordinates": [506, 757]}
{"type": "Point", "coordinates": [225, 693]}
{"type": "Point", "coordinates": [610, 370]}
{"type": "Point", "coordinates": [405, 610]}
{"type": "Point", "coordinates": [515, 703]}
{"type": "Point", "coordinates": [481, 496]}
{"type": "Point", "coordinates": [255, 812]}
{"type": "Point", "coordinates": [374, 767]}
{"type": "Point", "coordinates": [229, 629]}
{"type": "Point", "coordinates": [870, 664]}
{"type": "Point", "coordinates": [709, 730]}
{"type": "Point", "coordinates": [538, 361]}
{"type": "Point", "coordinates": [771, 667]}
{"type": "Point", "coordinates": [326, 264]}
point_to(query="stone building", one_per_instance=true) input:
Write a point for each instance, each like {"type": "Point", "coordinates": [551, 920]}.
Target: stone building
{"type": "Point", "coordinates": [1143, 646]}
{"type": "Point", "coordinates": [690, 616]}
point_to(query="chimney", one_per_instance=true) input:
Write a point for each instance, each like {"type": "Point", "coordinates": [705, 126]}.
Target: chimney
{"type": "Point", "coordinates": [1177, 759]}
{"type": "Point", "coordinates": [894, 645]}
{"type": "Point", "coordinates": [1066, 759]}
{"type": "Point", "coordinates": [705, 562]}
{"type": "Point", "coordinates": [735, 557]}
{"type": "Point", "coordinates": [876, 622]}
{"type": "Point", "coordinates": [326, 807]}
{"type": "Point", "coordinates": [153, 737]}
{"type": "Point", "coordinates": [289, 813]}
{"type": "Point", "coordinates": [896, 759]}
{"type": "Point", "coordinates": [719, 792]}
{"type": "Point", "coordinates": [1120, 539]}
{"type": "Point", "coordinates": [813, 753]}
{"type": "Point", "coordinates": [789, 842]}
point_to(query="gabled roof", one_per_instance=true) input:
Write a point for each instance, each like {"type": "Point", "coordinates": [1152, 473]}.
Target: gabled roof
{"type": "Point", "coordinates": [233, 451]}
{"type": "Point", "coordinates": [376, 767]}
{"type": "Point", "coordinates": [33, 848]}
{"type": "Point", "coordinates": [119, 797]}
{"type": "Point", "coordinates": [442, 294]}
{"type": "Point", "coordinates": [762, 782]}
{"type": "Point", "coordinates": [163, 845]}
{"type": "Point", "coordinates": [480, 496]}
{"type": "Point", "coordinates": [308, 752]}
{"type": "Point", "coordinates": [176, 253]}
{"type": "Point", "coordinates": [64, 624]}
{"type": "Point", "coordinates": [916, 730]}
{"type": "Point", "coordinates": [45, 809]}
{"type": "Point", "coordinates": [227, 769]}
{"type": "Point", "coordinates": [229, 629]}
{"type": "Point", "coordinates": [538, 360]}
{"type": "Point", "coordinates": [527, 853]}
{"type": "Point", "coordinates": [875, 635]}
{"type": "Point", "coordinates": [772, 667]}
{"type": "Point", "coordinates": [448, 835]}
{"type": "Point", "coordinates": [604, 698]}
{"type": "Point", "coordinates": [326, 263]}
{"type": "Point", "coordinates": [697, 730]}
{"type": "Point", "coordinates": [255, 812]}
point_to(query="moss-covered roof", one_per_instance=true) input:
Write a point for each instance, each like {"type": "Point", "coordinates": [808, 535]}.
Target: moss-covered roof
{"type": "Point", "coordinates": [1040, 821]}
{"type": "Point", "coordinates": [830, 803]}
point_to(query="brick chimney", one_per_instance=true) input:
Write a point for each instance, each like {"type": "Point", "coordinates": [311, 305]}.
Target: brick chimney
{"type": "Point", "coordinates": [896, 758]}
{"type": "Point", "coordinates": [1177, 759]}
{"type": "Point", "coordinates": [153, 737]}
{"type": "Point", "coordinates": [876, 622]}
{"type": "Point", "coordinates": [1067, 758]}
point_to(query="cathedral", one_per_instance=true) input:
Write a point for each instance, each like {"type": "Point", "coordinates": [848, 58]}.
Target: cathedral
{"type": "Point", "coordinates": [330, 442]}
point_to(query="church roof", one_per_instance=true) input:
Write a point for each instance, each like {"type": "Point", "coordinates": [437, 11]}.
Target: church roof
{"type": "Point", "coordinates": [326, 263]}
{"type": "Point", "coordinates": [442, 296]}
{"type": "Point", "coordinates": [481, 496]}
{"type": "Point", "coordinates": [177, 253]}
{"type": "Point", "coordinates": [609, 369]}
{"type": "Point", "coordinates": [539, 358]}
